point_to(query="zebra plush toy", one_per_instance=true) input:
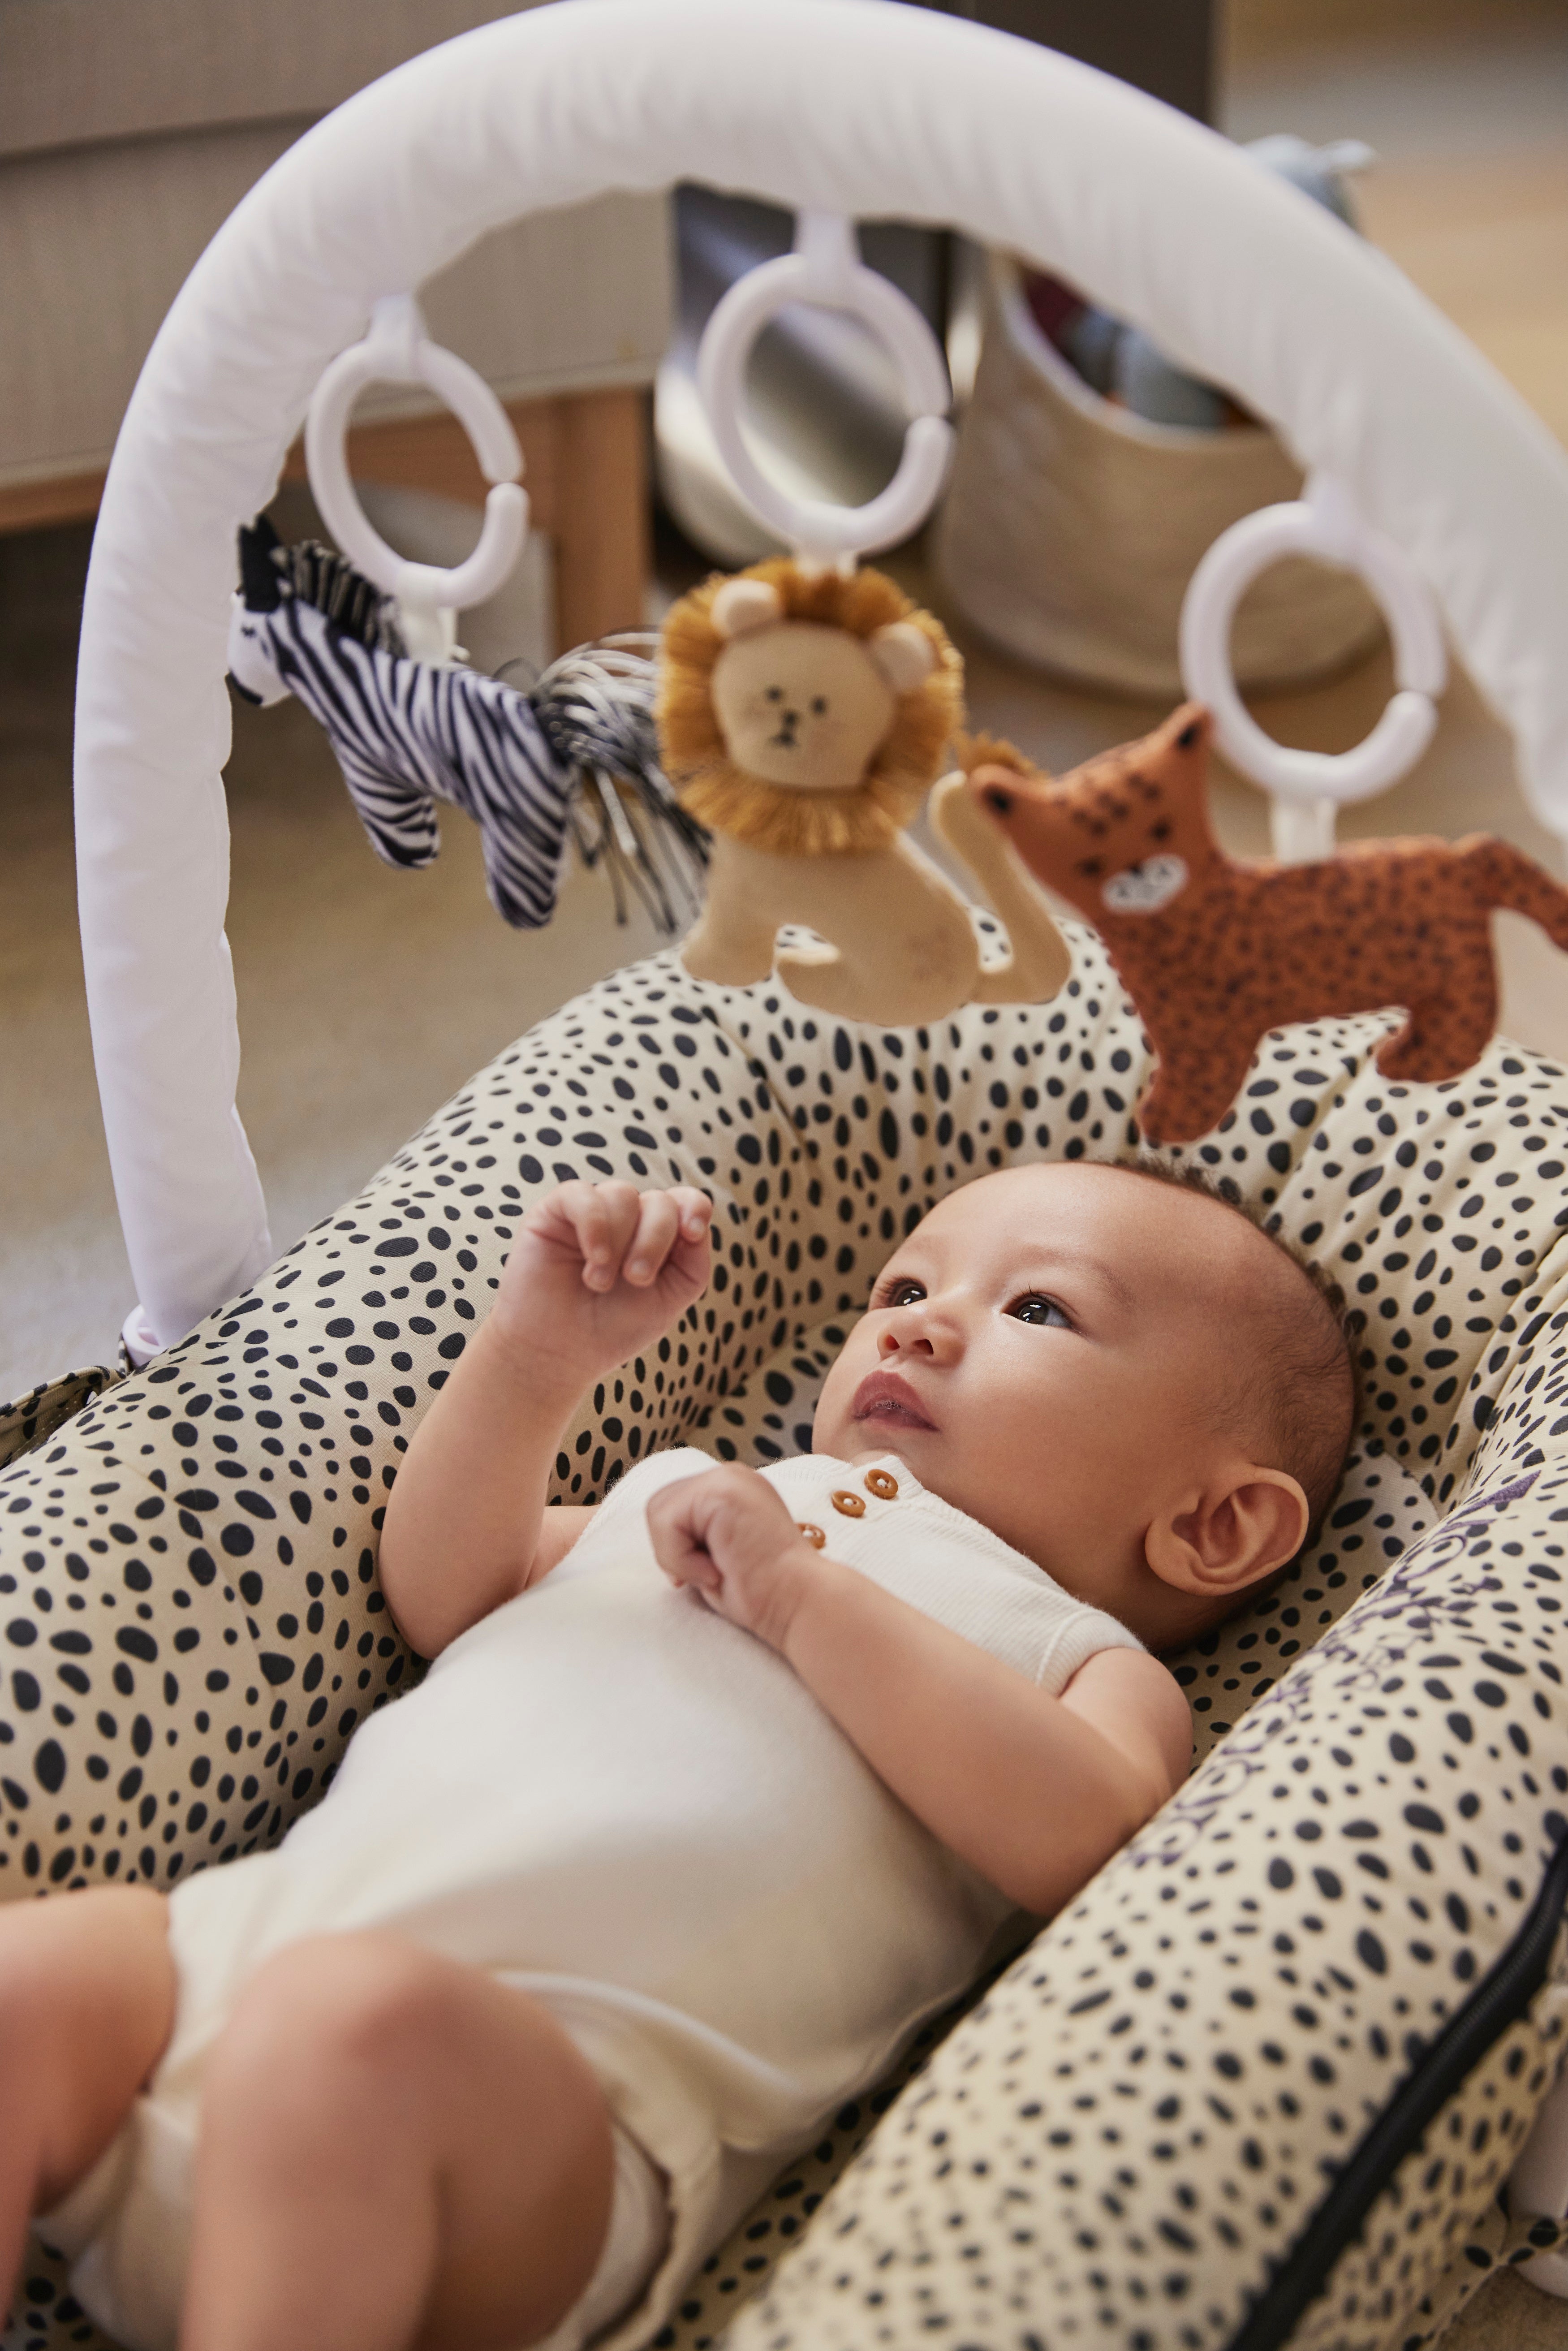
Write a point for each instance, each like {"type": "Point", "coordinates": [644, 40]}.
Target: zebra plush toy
{"type": "Point", "coordinates": [574, 759]}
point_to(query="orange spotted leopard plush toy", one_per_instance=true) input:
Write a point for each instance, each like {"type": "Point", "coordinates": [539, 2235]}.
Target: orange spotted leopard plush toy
{"type": "Point", "coordinates": [1216, 951]}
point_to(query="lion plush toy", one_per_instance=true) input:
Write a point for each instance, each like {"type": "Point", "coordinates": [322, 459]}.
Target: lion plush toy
{"type": "Point", "coordinates": [803, 718]}
{"type": "Point", "coordinates": [1216, 951]}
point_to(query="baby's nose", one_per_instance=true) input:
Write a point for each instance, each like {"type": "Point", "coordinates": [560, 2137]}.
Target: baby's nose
{"type": "Point", "coordinates": [909, 1341]}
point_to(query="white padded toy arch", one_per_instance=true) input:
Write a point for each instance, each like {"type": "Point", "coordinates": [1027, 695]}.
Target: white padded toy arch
{"type": "Point", "coordinates": [856, 106]}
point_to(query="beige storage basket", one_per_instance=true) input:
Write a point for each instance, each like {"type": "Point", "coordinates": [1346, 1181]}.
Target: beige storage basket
{"type": "Point", "coordinates": [1073, 526]}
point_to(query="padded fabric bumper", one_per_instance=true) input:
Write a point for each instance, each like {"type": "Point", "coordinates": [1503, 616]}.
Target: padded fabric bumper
{"type": "Point", "coordinates": [1146, 2110]}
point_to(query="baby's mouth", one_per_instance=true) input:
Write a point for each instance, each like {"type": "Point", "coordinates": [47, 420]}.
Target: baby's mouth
{"type": "Point", "coordinates": [886, 1397]}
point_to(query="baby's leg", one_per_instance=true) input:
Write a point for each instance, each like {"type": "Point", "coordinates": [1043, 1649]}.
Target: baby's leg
{"type": "Point", "coordinates": [86, 2002]}
{"type": "Point", "coordinates": [395, 2150]}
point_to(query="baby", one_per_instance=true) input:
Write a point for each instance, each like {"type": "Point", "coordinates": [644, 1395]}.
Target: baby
{"type": "Point", "coordinates": [710, 1796]}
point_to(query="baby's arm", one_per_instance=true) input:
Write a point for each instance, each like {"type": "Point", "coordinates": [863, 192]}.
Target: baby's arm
{"type": "Point", "coordinates": [1034, 1792]}
{"type": "Point", "coordinates": [597, 1272]}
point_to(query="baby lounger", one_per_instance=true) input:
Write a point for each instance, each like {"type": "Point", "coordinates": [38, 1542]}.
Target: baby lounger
{"type": "Point", "coordinates": [193, 1628]}
{"type": "Point", "coordinates": [1323, 1991]}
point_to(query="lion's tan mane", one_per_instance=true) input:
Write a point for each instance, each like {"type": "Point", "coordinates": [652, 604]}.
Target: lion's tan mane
{"type": "Point", "coordinates": [774, 816]}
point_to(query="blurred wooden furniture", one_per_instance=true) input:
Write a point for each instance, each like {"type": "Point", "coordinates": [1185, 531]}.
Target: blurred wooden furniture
{"type": "Point", "coordinates": [130, 129]}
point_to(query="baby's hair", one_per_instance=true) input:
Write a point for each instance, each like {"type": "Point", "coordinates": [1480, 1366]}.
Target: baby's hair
{"type": "Point", "coordinates": [1311, 1380]}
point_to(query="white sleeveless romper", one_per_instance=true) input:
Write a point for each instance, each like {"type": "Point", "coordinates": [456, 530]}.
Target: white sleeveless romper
{"type": "Point", "coordinates": [610, 1797]}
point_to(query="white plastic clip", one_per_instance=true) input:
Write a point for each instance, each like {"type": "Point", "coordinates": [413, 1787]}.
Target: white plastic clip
{"type": "Point", "coordinates": [139, 1338]}
{"type": "Point", "coordinates": [826, 269]}
{"type": "Point", "coordinates": [396, 350]}
{"type": "Point", "coordinates": [1307, 787]}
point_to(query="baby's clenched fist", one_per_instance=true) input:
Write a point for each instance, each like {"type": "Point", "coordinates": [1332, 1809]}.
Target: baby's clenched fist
{"type": "Point", "coordinates": [600, 1271]}
{"type": "Point", "coordinates": [727, 1535]}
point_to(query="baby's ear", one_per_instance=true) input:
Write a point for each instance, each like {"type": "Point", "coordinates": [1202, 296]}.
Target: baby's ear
{"type": "Point", "coordinates": [743, 605]}
{"type": "Point", "coordinates": [1247, 1524]}
{"type": "Point", "coordinates": [903, 653]}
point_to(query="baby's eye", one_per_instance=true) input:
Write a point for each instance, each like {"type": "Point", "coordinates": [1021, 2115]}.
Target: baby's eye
{"type": "Point", "coordinates": [1042, 1311]}
{"type": "Point", "coordinates": [902, 1293]}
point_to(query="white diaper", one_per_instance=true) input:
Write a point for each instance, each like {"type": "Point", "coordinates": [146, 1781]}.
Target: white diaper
{"type": "Point", "coordinates": [126, 2230]}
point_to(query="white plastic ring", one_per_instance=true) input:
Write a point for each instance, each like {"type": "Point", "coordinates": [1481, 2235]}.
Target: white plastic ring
{"type": "Point", "coordinates": [1323, 522]}
{"type": "Point", "coordinates": [825, 268]}
{"type": "Point", "coordinates": [397, 350]}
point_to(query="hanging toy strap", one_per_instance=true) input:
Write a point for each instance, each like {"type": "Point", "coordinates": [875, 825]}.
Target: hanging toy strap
{"type": "Point", "coordinates": [1307, 787]}
{"type": "Point", "coordinates": [396, 350]}
{"type": "Point", "coordinates": [825, 268]}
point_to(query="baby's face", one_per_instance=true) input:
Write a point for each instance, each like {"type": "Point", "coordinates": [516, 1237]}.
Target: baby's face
{"type": "Point", "coordinates": [1049, 1352]}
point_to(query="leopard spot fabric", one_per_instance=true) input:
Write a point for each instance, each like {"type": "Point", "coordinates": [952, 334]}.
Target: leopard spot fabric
{"type": "Point", "coordinates": [1141, 2114]}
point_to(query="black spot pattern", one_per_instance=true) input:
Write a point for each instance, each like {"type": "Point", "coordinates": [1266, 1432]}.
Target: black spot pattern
{"type": "Point", "coordinates": [1144, 2107]}
{"type": "Point", "coordinates": [1140, 2114]}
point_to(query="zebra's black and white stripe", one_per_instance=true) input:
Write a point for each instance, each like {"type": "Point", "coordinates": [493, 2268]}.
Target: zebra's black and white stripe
{"type": "Point", "coordinates": [576, 758]}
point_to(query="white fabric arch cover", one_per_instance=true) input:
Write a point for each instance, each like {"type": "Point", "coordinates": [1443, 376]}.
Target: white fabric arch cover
{"type": "Point", "coordinates": [857, 106]}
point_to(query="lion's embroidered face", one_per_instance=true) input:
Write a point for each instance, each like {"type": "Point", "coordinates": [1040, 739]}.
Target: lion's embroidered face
{"type": "Point", "coordinates": [802, 712]}
{"type": "Point", "coordinates": [801, 705]}
{"type": "Point", "coordinates": [1123, 834]}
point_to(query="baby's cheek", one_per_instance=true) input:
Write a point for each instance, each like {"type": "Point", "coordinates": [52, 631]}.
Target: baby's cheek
{"type": "Point", "coordinates": [833, 1403]}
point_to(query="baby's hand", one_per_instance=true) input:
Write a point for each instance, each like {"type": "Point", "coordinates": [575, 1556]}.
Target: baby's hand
{"type": "Point", "coordinates": [598, 1271]}
{"type": "Point", "coordinates": [728, 1534]}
